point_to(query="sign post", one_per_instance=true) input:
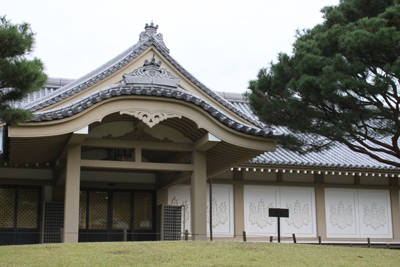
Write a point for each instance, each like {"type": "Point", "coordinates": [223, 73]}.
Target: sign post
{"type": "Point", "coordinates": [276, 212]}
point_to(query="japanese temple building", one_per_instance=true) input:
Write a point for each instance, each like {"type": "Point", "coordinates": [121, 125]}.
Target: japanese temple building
{"type": "Point", "coordinates": [105, 150]}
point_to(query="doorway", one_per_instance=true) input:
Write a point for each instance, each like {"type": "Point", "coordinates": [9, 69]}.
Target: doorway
{"type": "Point", "coordinates": [19, 215]}
{"type": "Point", "coordinates": [105, 214]}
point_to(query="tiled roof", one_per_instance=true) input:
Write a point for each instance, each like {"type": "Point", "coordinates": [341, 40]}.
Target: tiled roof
{"type": "Point", "coordinates": [147, 38]}
{"type": "Point", "coordinates": [339, 156]}
{"type": "Point", "coordinates": [124, 89]}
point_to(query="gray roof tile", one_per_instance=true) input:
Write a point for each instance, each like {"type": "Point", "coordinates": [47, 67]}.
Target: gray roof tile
{"type": "Point", "coordinates": [147, 38]}
{"type": "Point", "coordinates": [339, 156]}
{"type": "Point", "coordinates": [119, 89]}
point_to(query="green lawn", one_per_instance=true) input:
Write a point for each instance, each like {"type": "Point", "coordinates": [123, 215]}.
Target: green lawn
{"type": "Point", "coordinates": [194, 254]}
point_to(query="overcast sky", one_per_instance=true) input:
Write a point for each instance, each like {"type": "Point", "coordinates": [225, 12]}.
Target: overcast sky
{"type": "Point", "coordinates": [222, 43]}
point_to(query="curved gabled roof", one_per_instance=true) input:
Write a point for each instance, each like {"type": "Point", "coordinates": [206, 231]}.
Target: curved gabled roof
{"type": "Point", "coordinates": [120, 89]}
{"type": "Point", "coordinates": [147, 38]}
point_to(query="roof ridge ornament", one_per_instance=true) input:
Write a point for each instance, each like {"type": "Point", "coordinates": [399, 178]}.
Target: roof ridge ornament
{"type": "Point", "coordinates": [151, 73]}
{"type": "Point", "coordinates": [150, 31]}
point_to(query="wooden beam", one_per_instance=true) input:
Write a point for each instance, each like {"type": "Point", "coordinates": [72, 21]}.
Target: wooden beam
{"type": "Point", "coordinates": [175, 180]}
{"type": "Point", "coordinates": [114, 143]}
{"type": "Point", "coordinates": [206, 142]}
{"type": "Point", "coordinates": [129, 165]}
{"type": "Point", "coordinates": [14, 181]}
{"type": "Point", "coordinates": [119, 185]}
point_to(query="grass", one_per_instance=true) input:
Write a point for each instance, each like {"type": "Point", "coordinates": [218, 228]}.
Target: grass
{"type": "Point", "coordinates": [194, 254]}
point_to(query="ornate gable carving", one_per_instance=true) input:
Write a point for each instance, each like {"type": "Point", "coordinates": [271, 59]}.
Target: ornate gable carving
{"type": "Point", "coordinates": [151, 73]}
{"type": "Point", "coordinates": [151, 119]}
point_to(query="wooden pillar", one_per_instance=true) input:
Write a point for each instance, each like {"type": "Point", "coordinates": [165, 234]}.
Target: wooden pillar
{"type": "Point", "coordinates": [162, 196]}
{"type": "Point", "coordinates": [395, 206]}
{"type": "Point", "coordinates": [238, 199]}
{"type": "Point", "coordinates": [320, 206]}
{"type": "Point", "coordinates": [71, 199]}
{"type": "Point", "coordinates": [198, 196]}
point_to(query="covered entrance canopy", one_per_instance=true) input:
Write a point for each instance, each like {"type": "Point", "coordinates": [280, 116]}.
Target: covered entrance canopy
{"type": "Point", "coordinates": [145, 126]}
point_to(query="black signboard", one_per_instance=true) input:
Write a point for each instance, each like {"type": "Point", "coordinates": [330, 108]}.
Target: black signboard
{"type": "Point", "coordinates": [274, 212]}
{"type": "Point", "coordinates": [278, 212]}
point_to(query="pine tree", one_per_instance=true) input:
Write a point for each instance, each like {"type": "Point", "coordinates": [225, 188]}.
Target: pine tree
{"type": "Point", "coordinates": [340, 85]}
{"type": "Point", "coordinates": [19, 76]}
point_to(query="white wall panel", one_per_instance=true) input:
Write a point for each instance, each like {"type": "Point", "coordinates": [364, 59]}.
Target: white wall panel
{"type": "Point", "coordinates": [222, 207]}
{"type": "Point", "coordinates": [375, 213]}
{"type": "Point", "coordinates": [180, 195]}
{"type": "Point", "coordinates": [299, 200]}
{"type": "Point", "coordinates": [257, 201]}
{"type": "Point", "coordinates": [301, 204]}
{"type": "Point", "coordinates": [340, 212]}
{"type": "Point", "coordinates": [358, 213]}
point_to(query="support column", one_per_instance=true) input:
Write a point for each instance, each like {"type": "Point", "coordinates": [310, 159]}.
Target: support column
{"type": "Point", "coordinates": [198, 196]}
{"type": "Point", "coordinates": [162, 196]}
{"type": "Point", "coordinates": [320, 211]}
{"type": "Point", "coordinates": [238, 203]}
{"type": "Point", "coordinates": [320, 205]}
{"type": "Point", "coordinates": [71, 200]}
{"type": "Point", "coordinates": [394, 204]}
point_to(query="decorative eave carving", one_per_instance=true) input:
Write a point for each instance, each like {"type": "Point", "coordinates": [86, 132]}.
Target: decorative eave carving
{"type": "Point", "coordinates": [151, 119]}
{"type": "Point", "coordinates": [151, 73]}
{"type": "Point", "coordinates": [137, 135]}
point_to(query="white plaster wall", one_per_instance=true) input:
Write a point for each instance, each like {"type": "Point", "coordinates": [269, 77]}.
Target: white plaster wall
{"type": "Point", "coordinates": [298, 177]}
{"type": "Point", "coordinates": [223, 207]}
{"type": "Point", "coordinates": [301, 204]}
{"type": "Point", "coordinates": [222, 214]}
{"type": "Point", "coordinates": [118, 177]}
{"type": "Point", "coordinates": [358, 213]}
{"type": "Point", "coordinates": [340, 211]}
{"type": "Point", "coordinates": [259, 176]}
{"type": "Point", "coordinates": [180, 195]}
{"type": "Point", "coordinates": [375, 213]}
{"type": "Point", "coordinates": [257, 201]}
